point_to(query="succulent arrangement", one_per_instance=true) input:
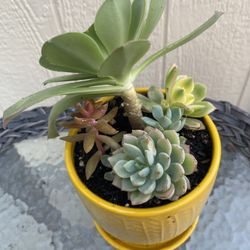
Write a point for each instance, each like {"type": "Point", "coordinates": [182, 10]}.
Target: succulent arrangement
{"type": "Point", "coordinates": [151, 163]}
{"type": "Point", "coordinates": [153, 160]}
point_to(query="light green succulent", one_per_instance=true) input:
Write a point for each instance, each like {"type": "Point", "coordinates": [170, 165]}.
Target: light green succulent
{"type": "Point", "coordinates": [104, 58]}
{"type": "Point", "coordinates": [168, 119]}
{"type": "Point", "coordinates": [183, 92]}
{"type": "Point", "coordinates": [151, 164]}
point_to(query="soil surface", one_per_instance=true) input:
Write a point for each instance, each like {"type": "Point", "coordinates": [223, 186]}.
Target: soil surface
{"type": "Point", "coordinates": [200, 146]}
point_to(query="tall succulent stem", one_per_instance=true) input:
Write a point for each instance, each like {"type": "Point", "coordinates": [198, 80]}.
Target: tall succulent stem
{"type": "Point", "coordinates": [133, 108]}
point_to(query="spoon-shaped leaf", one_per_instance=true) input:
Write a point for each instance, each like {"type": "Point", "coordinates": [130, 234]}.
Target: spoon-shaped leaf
{"type": "Point", "coordinates": [121, 60]}
{"type": "Point", "coordinates": [72, 52]}
{"type": "Point", "coordinates": [112, 23]}
{"type": "Point", "coordinates": [137, 18]}
{"type": "Point", "coordinates": [156, 9]}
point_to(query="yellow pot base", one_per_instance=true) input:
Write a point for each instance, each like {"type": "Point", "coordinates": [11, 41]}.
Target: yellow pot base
{"type": "Point", "coordinates": [170, 245]}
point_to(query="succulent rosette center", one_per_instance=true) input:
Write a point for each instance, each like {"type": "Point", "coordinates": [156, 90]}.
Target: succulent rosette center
{"type": "Point", "coordinates": [151, 164]}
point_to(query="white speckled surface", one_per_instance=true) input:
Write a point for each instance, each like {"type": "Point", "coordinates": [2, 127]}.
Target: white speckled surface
{"type": "Point", "coordinates": [40, 210]}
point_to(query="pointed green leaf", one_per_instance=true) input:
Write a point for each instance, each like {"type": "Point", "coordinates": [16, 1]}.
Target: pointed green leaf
{"type": "Point", "coordinates": [180, 187]}
{"type": "Point", "coordinates": [165, 122]}
{"type": "Point", "coordinates": [72, 52]}
{"type": "Point", "coordinates": [199, 92]}
{"type": "Point", "coordinates": [185, 83]}
{"type": "Point", "coordinates": [167, 194]}
{"type": "Point", "coordinates": [200, 109]}
{"type": "Point", "coordinates": [194, 124]}
{"type": "Point", "coordinates": [120, 170]}
{"type": "Point", "coordinates": [148, 187]}
{"type": "Point", "coordinates": [164, 160]}
{"type": "Point", "coordinates": [116, 157]}
{"type": "Point", "coordinates": [112, 23]}
{"type": "Point", "coordinates": [177, 95]}
{"type": "Point", "coordinates": [59, 108]}
{"type": "Point", "coordinates": [144, 172]}
{"type": "Point", "coordinates": [92, 33]}
{"type": "Point", "coordinates": [130, 166]}
{"type": "Point", "coordinates": [127, 186]}
{"type": "Point", "coordinates": [156, 171]}
{"type": "Point", "coordinates": [121, 60]}
{"type": "Point", "coordinates": [146, 103]}
{"type": "Point", "coordinates": [177, 154]}
{"type": "Point", "coordinates": [155, 94]}
{"type": "Point", "coordinates": [67, 78]}
{"type": "Point", "coordinates": [156, 9]}
{"type": "Point", "coordinates": [157, 112]}
{"type": "Point", "coordinates": [172, 136]}
{"type": "Point", "coordinates": [176, 114]}
{"type": "Point", "coordinates": [190, 164]}
{"type": "Point", "coordinates": [138, 198]}
{"type": "Point", "coordinates": [163, 145]}
{"type": "Point", "coordinates": [137, 19]}
{"type": "Point", "coordinates": [130, 139]}
{"type": "Point", "coordinates": [171, 77]}
{"type": "Point", "coordinates": [163, 184]}
{"type": "Point", "coordinates": [175, 171]}
{"type": "Point", "coordinates": [149, 121]}
{"type": "Point", "coordinates": [137, 180]}
{"type": "Point", "coordinates": [79, 88]}
{"type": "Point", "coordinates": [132, 151]}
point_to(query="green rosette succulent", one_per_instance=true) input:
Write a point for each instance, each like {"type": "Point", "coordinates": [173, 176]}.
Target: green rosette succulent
{"type": "Point", "coordinates": [180, 91]}
{"type": "Point", "coordinates": [151, 164]}
{"type": "Point", "coordinates": [168, 119]}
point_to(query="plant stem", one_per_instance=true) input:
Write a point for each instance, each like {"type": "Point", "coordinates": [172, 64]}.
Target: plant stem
{"type": "Point", "coordinates": [132, 107]}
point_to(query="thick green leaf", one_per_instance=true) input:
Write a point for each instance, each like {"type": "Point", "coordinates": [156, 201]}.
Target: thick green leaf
{"type": "Point", "coordinates": [154, 14]}
{"type": "Point", "coordinates": [72, 52]}
{"type": "Point", "coordinates": [78, 88]}
{"type": "Point", "coordinates": [170, 78]}
{"type": "Point", "coordinates": [146, 103]}
{"type": "Point", "coordinates": [121, 60]}
{"type": "Point", "coordinates": [199, 91]}
{"type": "Point", "coordinates": [200, 109]}
{"type": "Point", "coordinates": [137, 18]}
{"type": "Point", "coordinates": [92, 33]}
{"type": "Point", "coordinates": [59, 108]}
{"type": "Point", "coordinates": [67, 78]}
{"type": "Point", "coordinates": [112, 23]}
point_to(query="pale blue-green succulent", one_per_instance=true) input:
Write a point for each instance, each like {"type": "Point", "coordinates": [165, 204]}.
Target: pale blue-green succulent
{"type": "Point", "coordinates": [166, 119]}
{"type": "Point", "coordinates": [151, 164]}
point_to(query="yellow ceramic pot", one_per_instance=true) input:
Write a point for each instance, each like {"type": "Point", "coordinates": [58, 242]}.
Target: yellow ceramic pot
{"type": "Point", "coordinates": [164, 227]}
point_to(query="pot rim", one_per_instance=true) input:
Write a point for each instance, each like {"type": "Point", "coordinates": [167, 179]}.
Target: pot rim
{"type": "Point", "coordinates": [142, 212]}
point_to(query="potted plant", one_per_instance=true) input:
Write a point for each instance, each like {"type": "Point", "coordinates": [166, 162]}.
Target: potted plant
{"type": "Point", "coordinates": [135, 159]}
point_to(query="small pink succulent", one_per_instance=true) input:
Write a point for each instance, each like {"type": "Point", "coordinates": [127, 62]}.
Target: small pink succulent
{"type": "Point", "coordinates": [92, 117]}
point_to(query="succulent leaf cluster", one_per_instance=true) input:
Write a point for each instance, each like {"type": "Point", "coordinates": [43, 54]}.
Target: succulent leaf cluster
{"type": "Point", "coordinates": [151, 164]}
{"type": "Point", "coordinates": [183, 92]}
{"type": "Point", "coordinates": [168, 119]}
{"type": "Point", "coordinates": [96, 122]}
{"type": "Point", "coordinates": [103, 59]}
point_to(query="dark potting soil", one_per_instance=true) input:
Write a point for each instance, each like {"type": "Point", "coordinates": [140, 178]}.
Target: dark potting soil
{"type": "Point", "coordinates": [200, 146]}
